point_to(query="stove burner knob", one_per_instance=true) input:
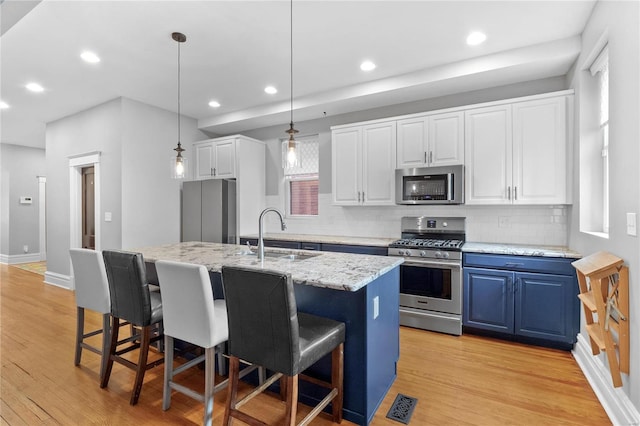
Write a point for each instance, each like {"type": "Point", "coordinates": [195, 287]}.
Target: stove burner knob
{"type": "Point", "coordinates": [423, 253]}
{"type": "Point", "coordinates": [438, 255]}
{"type": "Point", "coordinates": [445, 255]}
{"type": "Point", "coordinates": [406, 253]}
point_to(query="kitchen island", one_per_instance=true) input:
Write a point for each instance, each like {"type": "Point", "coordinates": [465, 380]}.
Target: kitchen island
{"type": "Point", "coordinates": [360, 290]}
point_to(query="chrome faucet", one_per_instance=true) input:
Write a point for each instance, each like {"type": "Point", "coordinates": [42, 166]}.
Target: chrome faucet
{"type": "Point", "coordinates": [260, 239]}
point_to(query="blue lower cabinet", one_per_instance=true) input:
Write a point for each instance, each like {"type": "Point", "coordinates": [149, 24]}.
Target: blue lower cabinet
{"type": "Point", "coordinates": [346, 248]}
{"type": "Point", "coordinates": [534, 307]}
{"type": "Point", "coordinates": [488, 300]}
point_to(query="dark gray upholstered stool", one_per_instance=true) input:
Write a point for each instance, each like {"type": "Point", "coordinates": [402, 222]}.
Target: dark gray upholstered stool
{"type": "Point", "coordinates": [266, 329]}
{"type": "Point", "coordinates": [131, 301]}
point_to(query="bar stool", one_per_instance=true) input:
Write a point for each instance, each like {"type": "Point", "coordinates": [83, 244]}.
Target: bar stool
{"type": "Point", "coordinates": [131, 301]}
{"type": "Point", "coordinates": [192, 315]}
{"type": "Point", "coordinates": [92, 292]}
{"type": "Point", "coordinates": [266, 329]}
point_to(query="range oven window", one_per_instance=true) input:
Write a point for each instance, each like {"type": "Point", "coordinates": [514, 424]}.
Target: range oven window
{"type": "Point", "coordinates": [425, 281]}
{"type": "Point", "coordinates": [425, 187]}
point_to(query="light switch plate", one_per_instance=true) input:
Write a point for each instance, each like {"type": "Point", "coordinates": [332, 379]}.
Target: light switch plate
{"type": "Point", "coordinates": [631, 224]}
{"type": "Point", "coordinates": [107, 216]}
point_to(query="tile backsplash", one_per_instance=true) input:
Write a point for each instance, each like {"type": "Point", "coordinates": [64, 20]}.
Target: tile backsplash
{"type": "Point", "coordinates": [539, 225]}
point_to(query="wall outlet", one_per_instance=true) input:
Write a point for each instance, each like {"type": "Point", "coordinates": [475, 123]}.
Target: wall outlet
{"type": "Point", "coordinates": [25, 248]}
{"type": "Point", "coordinates": [376, 307]}
{"type": "Point", "coordinates": [504, 221]}
{"type": "Point", "coordinates": [631, 224]}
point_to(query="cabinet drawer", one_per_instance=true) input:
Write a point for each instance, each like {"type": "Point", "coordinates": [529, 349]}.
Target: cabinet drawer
{"type": "Point", "coordinates": [310, 246]}
{"type": "Point", "coordinates": [545, 265]}
{"type": "Point", "coordinates": [282, 244]}
{"type": "Point", "coordinates": [345, 248]}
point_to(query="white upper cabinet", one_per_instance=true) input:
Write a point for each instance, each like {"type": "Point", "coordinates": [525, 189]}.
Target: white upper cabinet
{"type": "Point", "coordinates": [433, 140]}
{"type": "Point", "coordinates": [488, 155]}
{"type": "Point", "coordinates": [516, 153]}
{"type": "Point", "coordinates": [363, 159]}
{"type": "Point", "coordinates": [540, 151]}
{"type": "Point", "coordinates": [215, 159]}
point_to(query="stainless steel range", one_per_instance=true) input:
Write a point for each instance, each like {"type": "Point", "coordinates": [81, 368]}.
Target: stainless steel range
{"type": "Point", "coordinates": [431, 275]}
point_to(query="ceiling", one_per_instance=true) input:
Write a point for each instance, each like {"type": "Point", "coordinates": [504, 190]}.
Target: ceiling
{"type": "Point", "coordinates": [236, 48]}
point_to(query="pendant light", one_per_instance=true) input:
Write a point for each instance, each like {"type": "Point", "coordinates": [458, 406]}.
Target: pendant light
{"type": "Point", "coordinates": [292, 145]}
{"type": "Point", "coordinates": [179, 163]}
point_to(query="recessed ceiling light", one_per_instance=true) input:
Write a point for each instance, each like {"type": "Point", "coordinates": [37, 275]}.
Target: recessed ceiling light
{"type": "Point", "coordinates": [90, 57]}
{"type": "Point", "coordinates": [271, 90]}
{"type": "Point", "coordinates": [214, 104]}
{"type": "Point", "coordinates": [367, 66]}
{"type": "Point", "coordinates": [35, 87]}
{"type": "Point", "coordinates": [476, 38]}
{"type": "Point", "coordinates": [4, 105]}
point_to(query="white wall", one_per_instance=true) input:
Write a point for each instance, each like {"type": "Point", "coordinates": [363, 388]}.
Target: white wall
{"type": "Point", "coordinates": [545, 225]}
{"type": "Point", "coordinates": [622, 21]}
{"type": "Point", "coordinates": [19, 224]}
{"type": "Point", "coordinates": [136, 143]}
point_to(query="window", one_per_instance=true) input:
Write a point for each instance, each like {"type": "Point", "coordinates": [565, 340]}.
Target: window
{"type": "Point", "coordinates": [594, 150]}
{"type": "Point", "coordinates": [301, 182]}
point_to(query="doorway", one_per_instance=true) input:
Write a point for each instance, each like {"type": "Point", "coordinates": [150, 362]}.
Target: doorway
{"type": "Point", "coordinates": [88, 208]}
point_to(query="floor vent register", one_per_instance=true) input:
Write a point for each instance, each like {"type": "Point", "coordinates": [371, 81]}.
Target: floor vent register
{"type": "Point", "coordinates": [402, 408]}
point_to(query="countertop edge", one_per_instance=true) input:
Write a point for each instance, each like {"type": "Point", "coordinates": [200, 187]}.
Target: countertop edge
{"type": "Point", "coordinates": [520, 250]}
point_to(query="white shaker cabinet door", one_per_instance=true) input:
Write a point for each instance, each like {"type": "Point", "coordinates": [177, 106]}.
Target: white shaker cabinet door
{"type": "Point", "coordinates": [446, 139]}
{"type": "Point", "coordinates": [488, 151]}
{"type": "Point", "coordinates": [346, 170]}
{"type": "Point", "coordinates": [204, 160]}
{"type": "Point", "coordinates": [540, 151]}
{"type": "Point", "coordinates": [413, 148]}
{"type": "Point", "coordinates": [378, 164]}
{"type": "Point", "coordinates": [225, 159]}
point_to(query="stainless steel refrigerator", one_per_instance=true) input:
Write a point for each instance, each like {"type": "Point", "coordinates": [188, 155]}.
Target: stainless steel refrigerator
{"type": "Point", "coordinates": [209, 211]}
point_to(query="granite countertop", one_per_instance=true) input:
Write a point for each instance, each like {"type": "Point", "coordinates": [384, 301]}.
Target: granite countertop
{"type": "Point", "coordinates": [520, 250]}
{"type": "Point", "coordinates": [338, 271]}
{"type": "Point", "coordinates": [327, 239]}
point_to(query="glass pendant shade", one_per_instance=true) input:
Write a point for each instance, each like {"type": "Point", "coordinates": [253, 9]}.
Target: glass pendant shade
{"type": "Point", "coordinates": [290, 150]}
{"type": "Point", "coordinates": [179, 167]}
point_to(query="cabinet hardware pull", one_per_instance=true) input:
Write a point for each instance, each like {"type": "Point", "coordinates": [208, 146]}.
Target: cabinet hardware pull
{"type": "Point", "coordinates": [358, 196]}
{"type": "Point", "coordinates": [516, 285]}
{"type": "Point", "coordinates": [508, 192]}
{"type": "Point", "coordinates": [214, 171]}
{"type": "Point", "coordinates": [363, 196]}
{"type": "Point", "coordinates": [425, 157]}
{"type": "Point", "coordinates": [513, 264]}
{"type": "Point", "coordinates": [515, 192]}
{"type": "Point", "coordinates": [430, 157]}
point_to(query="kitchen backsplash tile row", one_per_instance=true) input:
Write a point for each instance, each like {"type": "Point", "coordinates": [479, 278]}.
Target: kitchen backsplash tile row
{"type": "Point", "coordinates": [538, 225]}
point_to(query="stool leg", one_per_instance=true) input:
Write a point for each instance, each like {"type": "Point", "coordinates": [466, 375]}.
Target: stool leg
{"type": "Point", "coordinates": [106, 337]}
{"type": "Point", "coordinates": [292, 400]}
{"type": "Point", "coordinates": [112, 350]}
{"type": "Point", "coordinates": [337, 381]}
{"type": "Point", "coordinates": [142, 364]}
{"type": "Point", "coordinates": [168, 372]}
{"type": "Point", "coordinates": [209, 378]}
{"type": "Point", "coordinates": [232, 389]}
{"type": "Point", "coordinates": [79, 334]}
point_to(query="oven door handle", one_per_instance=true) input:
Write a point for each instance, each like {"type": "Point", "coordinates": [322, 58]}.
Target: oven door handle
{"type": "Point", "coordinates": [434, 264]}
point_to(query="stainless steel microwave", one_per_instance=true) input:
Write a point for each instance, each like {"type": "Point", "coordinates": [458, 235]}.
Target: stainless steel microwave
{"type": "Point", "coordinates": [430, 185]}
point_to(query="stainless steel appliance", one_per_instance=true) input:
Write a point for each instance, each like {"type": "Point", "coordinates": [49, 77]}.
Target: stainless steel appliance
{"type": "Point", "coordinates": [209, 211]}
{"type": "Point", "coordinates": [431, 275]}
{"type": "Point", "coordinates": [430, 185]}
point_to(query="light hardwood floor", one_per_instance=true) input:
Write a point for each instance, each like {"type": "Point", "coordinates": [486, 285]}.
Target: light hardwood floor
{"type": "Point", "coordinates": [466, 380]}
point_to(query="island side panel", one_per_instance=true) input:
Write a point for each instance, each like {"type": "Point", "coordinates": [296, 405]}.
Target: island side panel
{"type": "Point", "coordinates": [371, 345]}
{"type": "Point", "coordinates": [383, 338]}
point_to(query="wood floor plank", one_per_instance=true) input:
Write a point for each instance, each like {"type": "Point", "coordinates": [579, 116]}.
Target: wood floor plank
{"type": "Point", "coordinates": [465, 380]}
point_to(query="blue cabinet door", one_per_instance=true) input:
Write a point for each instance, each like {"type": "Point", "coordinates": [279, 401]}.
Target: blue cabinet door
{"type": "Point", "coordinates": [545, 307]}
{"type": "Point", "coordinates": [488, 299]}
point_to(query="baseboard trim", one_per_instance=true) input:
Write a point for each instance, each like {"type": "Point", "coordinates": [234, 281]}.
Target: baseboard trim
{"type": "Point", "coordinates": [615, 401]}
{"type": "Point", "coordinates": [13, 259]}
{"type": "Point", "coordinates": [58, 280]}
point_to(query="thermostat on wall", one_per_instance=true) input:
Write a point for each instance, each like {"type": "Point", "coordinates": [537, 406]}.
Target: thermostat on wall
{"type": "Point", "coordinates": [26, 200]}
